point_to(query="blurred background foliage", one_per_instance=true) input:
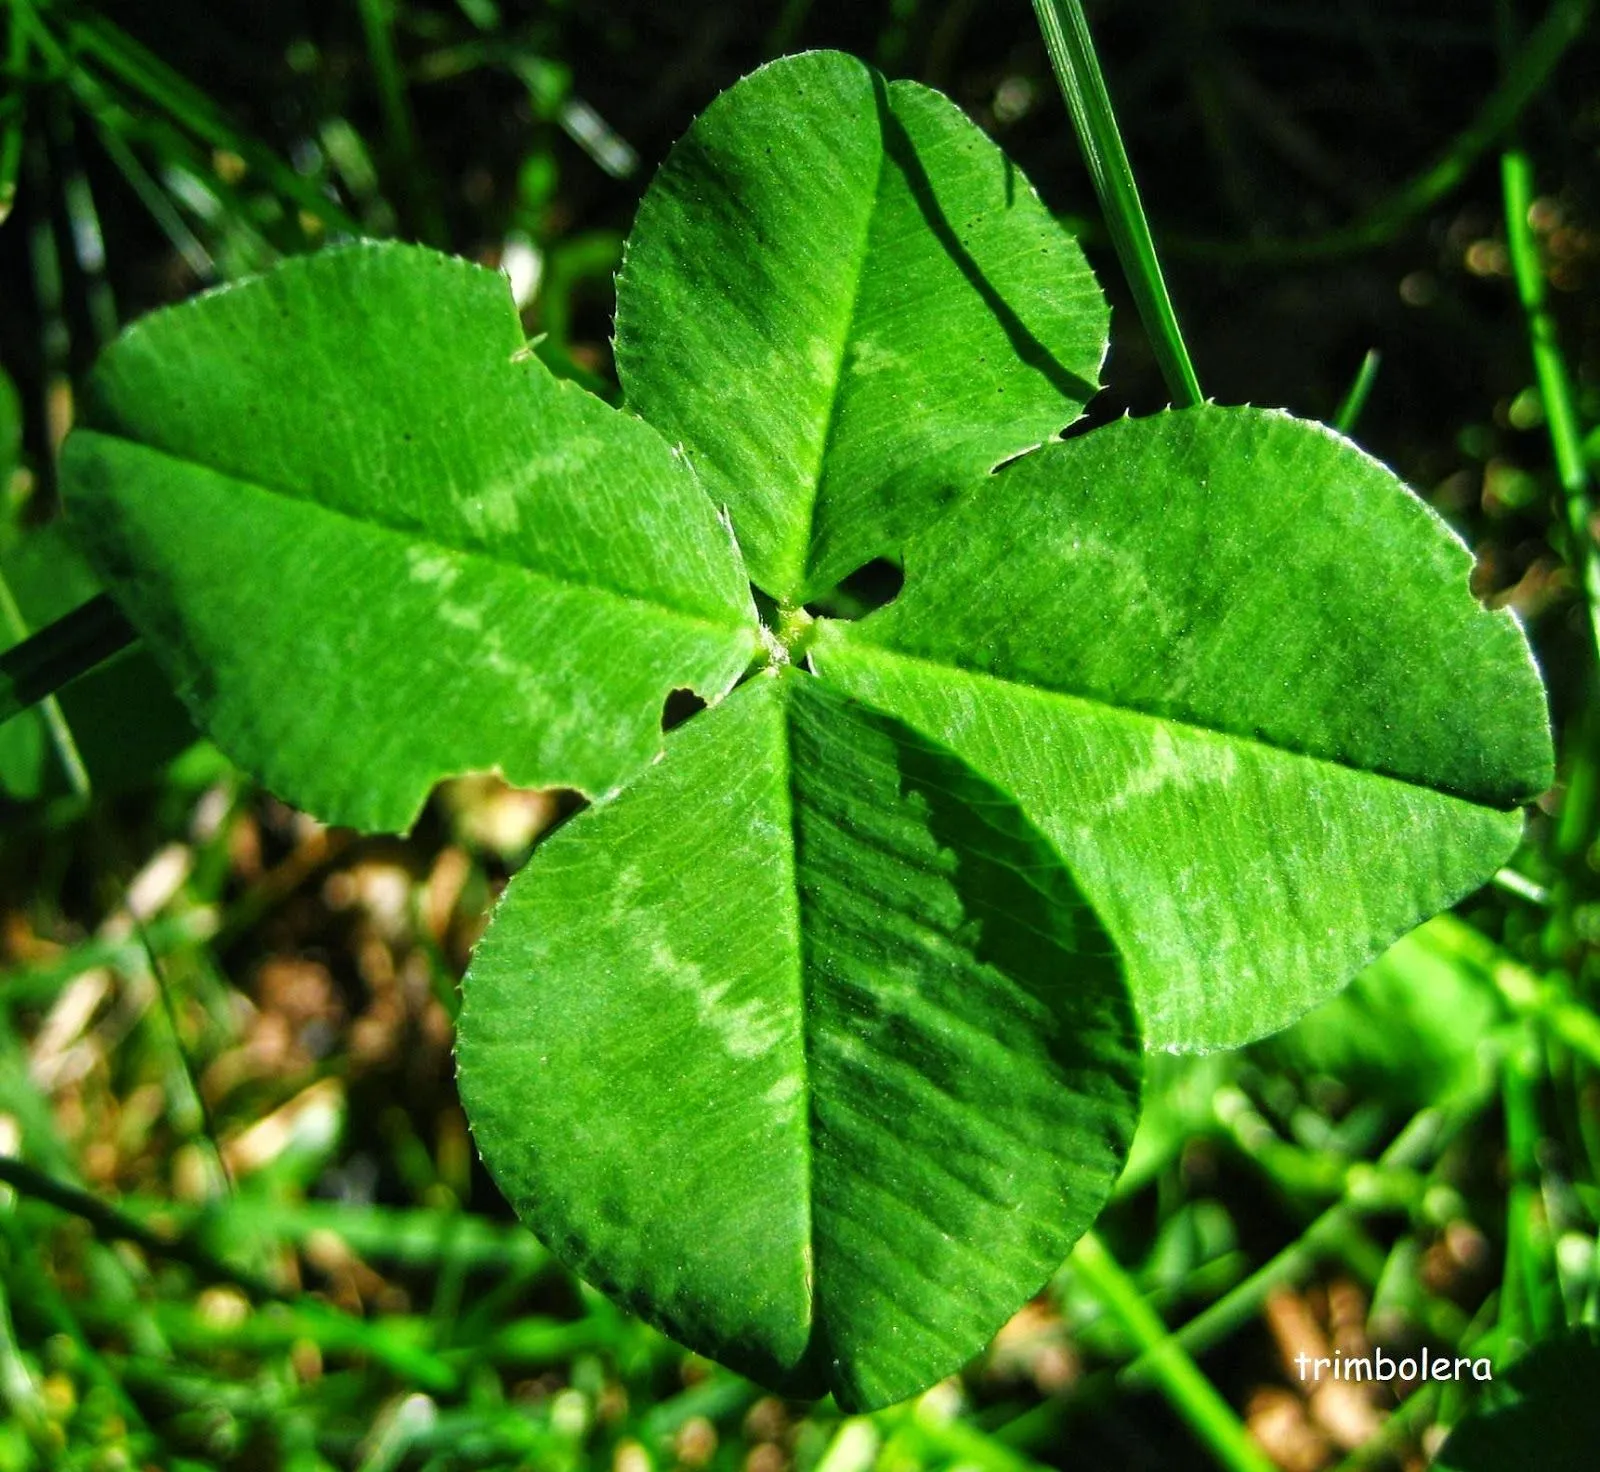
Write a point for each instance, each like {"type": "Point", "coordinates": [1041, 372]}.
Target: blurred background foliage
{"type": "Point", "coordinates": [241, 1220]}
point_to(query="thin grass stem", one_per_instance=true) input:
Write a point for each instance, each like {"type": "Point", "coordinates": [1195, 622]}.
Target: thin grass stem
{"type": "Point", "coordinates": [110, 121]}
{"type": "Point", "coordinates": [1526, 1309]}
{"type": "Point", "coordinates": [1524, 888]}
{"type": "Point", "coordinates": [1408, 1419]}
{"type": "Point", "coordinates": [131, 64]}
{"type": "Point", "coordinates": [114, 1225]}
{"type": "Point", "coordinates": [49, 1303]}
{"type": "Point", "coordinates": [377, 24]}
{"type": "Point", "coordinates": [293, 1316]}
{"type": "Point", "coordinates": [1077, 69]}
{"type": "Point", "coordinates": [197, 1099]}
{"type": "Point", "coordinates": [1349, 411]}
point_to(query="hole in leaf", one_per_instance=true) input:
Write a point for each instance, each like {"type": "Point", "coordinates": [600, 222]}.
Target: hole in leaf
{"type": "Point", "coordinates": [869, 588]}
{"type": "Point", "coordinates": [679, 706]}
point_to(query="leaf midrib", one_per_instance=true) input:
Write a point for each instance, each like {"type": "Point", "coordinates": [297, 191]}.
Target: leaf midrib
{"type": "Point", "coordinates": [807, 1111]}
{"type": "Point", "coordinates": [424, 537]}
{"type": "Point", "coordinates": [1156, 718]}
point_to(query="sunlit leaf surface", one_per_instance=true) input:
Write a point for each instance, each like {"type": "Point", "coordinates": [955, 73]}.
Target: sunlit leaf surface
{"type": "Point", "coordinates": [846, 303]}
{"type": "Point", "coordinates": [374, 542]}
{"type": "Point", "coordinates": [1232, 668]}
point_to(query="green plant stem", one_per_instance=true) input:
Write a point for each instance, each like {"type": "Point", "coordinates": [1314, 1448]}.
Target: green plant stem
{"type": "Point", "coordinates": [1421, 1140]}
{"type": "Point", "coordinates": [716, 1397]}
{"type": "Point", "coordinates": [196, 1100]}
{"type": "Point", "coordinates": [48, 1302]}
{"type": "Point", "coordinates": [1077, 69]}
{"type": "Point", "coordinates": [110, 120]}
{"type": "Point", "coordinates": [58, 653]}
{"type": "Point", "coordinates": [19, 1389]}
{"type": "Point", "coordinates": [32, 986]}
{"type": "Point", "coordinates": [920, 1435]}
{"type": "Point", "coordinates": [151, 195]}
{"type": "Point", "coordinates": [1408, 1419]}
{"type": "Point", "coordinates": [395, 1341]}
{"type": "Point", "coordinates": [413, 1237]}
{"type": "Point", "coordinates": [1524, 80]}
{"type": "Point", "coordinates": [1193, 1396]}
{"type": "Point", "coordinates": [1546, 1003]}
{"type": "Point", "coordinates": [787, 26]}
{"type": "Point", "coordinates": [292, 1317]}
{"type": "Point", "coordinates": [1524, 888]}
{"type": "Point", "coordinates": [1555, 386]}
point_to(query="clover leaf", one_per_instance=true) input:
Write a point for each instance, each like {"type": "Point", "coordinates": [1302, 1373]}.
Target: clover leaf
{"type": "Point", "coordinates": [1232, 667]}
{"type": "Point", "coordinates": [806, 1047]}
{"type": "Point", "coordinates": [375, 542]}
{"type": "Point", "coordinates": [815, 1039]}
{"type": "Point", "coordinates": [847, 305]}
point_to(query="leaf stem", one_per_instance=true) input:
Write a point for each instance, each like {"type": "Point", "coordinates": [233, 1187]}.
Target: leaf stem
{"type": "Point", "coordinates": [1193, 1396]}
{"type": "Point", "coordinates": [1077, 69]}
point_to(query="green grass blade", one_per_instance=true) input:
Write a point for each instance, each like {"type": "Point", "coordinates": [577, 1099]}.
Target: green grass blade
{"type": "Point", "coordinates": [160, 208]}
{"type": "Point", "coordinates": [110, 121]}
{"type": "Point", "coordinates": [377, 24]}
{"type": "Point", "coordinates": [1077, 69]}
{"type": "Point", "coordinates": [1349, 411]}
{"type": "Point", "coordinates": [1555, 385]}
